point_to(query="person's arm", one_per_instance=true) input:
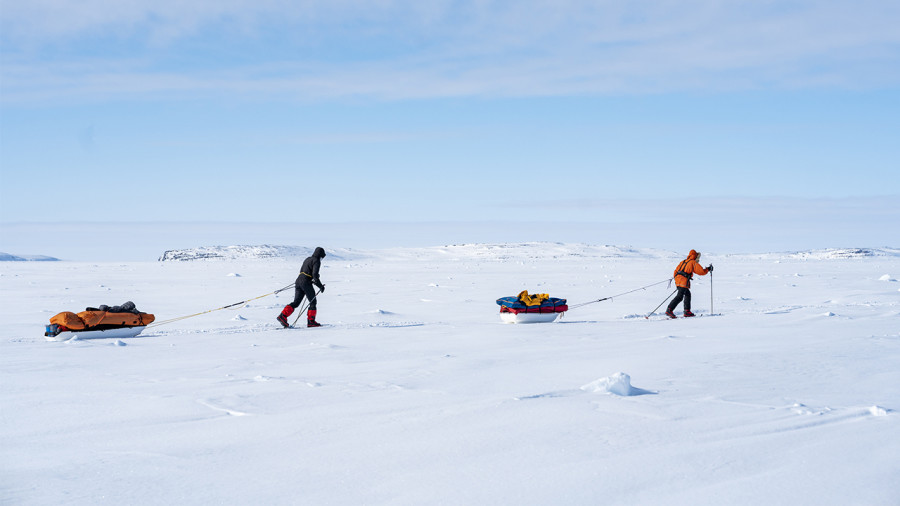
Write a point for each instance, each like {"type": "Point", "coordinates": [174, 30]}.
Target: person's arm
{"type": "Point", "coordinates": [315, 276]}
{"type": "Point", "coordinates": [699, 269]}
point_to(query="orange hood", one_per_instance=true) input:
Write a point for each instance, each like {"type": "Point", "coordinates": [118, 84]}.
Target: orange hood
{"type": "Point", "coordinates": [693, 255]}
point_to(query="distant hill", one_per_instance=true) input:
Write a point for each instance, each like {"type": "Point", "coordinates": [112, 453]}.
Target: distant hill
{"type": "Point", "coordinates": [501, 252]}
{"type": "Point", "coordinates": [826, 254]}
{"type": "Point", "coordinates": [489, 252]}
{"type": "Point", "coordinates": [6, 257]}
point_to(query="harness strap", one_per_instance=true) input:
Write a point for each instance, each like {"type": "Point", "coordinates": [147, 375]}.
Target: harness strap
{"type": "Point", "coordinates": [680, 270]}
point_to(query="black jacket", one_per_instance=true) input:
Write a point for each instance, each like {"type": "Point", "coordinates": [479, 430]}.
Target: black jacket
{"type": "Point", "coordinates": [310, 269]}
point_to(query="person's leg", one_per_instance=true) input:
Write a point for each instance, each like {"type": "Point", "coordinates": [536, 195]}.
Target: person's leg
{"type": "Point", "coordinates": [687, 300]}
{"type": "Point", "coordinates": [298, 297]}
{"type": "Point", "coordinates": [311, 311]}
{"type": "Point", "coordinates": [289, 309]}
{"type": "Point", "coordinates": [310, 294]}
{"type": "Point", "coordinates": [677, 300]}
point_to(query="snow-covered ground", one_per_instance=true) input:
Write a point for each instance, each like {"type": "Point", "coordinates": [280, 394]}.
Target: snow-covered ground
{"type": "Point", "coordinates": [417, 394]}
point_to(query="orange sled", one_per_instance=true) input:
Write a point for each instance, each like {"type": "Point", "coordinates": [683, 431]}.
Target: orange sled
{"type": "Point", "coordinates": [105, 321]}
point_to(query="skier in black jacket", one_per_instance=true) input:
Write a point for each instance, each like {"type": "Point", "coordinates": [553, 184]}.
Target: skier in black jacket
{"type": "Point", "coordinates": [309, 276]}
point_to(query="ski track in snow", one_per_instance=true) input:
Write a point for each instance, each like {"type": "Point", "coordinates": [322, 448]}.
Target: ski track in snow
{"type": "Point", "coordinates": [265, 327]}
{"type": "Point", "coordinates": [775, 420]}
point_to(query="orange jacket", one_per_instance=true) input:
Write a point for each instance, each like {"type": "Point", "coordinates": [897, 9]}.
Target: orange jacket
{"type": "Point", "coordinates": [687, 268]}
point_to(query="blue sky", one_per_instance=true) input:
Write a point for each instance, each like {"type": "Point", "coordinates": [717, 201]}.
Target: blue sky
{"type": "Point", "coordinates": [444, 110]}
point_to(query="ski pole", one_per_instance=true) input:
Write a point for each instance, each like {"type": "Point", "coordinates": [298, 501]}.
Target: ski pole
{"type": "Point", "coordinates": [285, 288]}
{"type": "Point", "coordinates": [711, 312]}
{"type": "Point", "coordinates": [660, 304]}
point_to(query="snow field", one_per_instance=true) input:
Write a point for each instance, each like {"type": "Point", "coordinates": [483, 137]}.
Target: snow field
{"type": "Point", "coordinates": [417, 394]}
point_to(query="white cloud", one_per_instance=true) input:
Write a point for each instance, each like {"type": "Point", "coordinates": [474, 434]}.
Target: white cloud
{"type": "Point", "coordinates": [408, 49]}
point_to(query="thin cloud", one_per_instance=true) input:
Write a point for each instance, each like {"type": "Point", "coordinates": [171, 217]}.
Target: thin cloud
{"type": "Point", "coordinates": [396, 50]}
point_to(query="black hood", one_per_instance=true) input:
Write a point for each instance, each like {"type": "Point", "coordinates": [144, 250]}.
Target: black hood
{"type": "Point", "coordinates": [319, 253]}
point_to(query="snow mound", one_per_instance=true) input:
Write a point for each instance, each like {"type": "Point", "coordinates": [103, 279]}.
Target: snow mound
{"type": "Point", "coordinates": [878, 411]}
{"type": "Point", "coordinates": [617, 384]}
{"type": "Point", "coordinates": [887, 277]}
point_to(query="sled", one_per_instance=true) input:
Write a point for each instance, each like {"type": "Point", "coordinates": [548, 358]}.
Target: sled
{"type": "Point", "coordinates": [531, 309]}
{"type": "Point", "coordinates": [102, 322]}
{"type": "Point", "coordinates": [117, 333]}
{"type": "Point", "coordinates": [528, 317]}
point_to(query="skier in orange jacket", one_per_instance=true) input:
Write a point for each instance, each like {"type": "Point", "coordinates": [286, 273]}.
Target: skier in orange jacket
{"type": "Point", "coordinates": [683, 274]}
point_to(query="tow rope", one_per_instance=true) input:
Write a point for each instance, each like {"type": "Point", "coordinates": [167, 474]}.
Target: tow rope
{"type": "Point", "coordinates": [171, 320]}
{"type": "Point", "coordinates": [669, 280]}
{"type": "Point", "coordinates": [155, 324]}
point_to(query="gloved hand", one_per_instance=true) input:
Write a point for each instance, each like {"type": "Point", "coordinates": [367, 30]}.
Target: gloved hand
{"type": "Point", "coordinates": [710, 268]}
{"type": "Point", "coordinates": [321, 288]}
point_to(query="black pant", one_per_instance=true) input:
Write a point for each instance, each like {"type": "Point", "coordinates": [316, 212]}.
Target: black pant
{"type": "Point", "coordinates": [301, 288]}
{"type": "Point", "coordinates": [683, 293]}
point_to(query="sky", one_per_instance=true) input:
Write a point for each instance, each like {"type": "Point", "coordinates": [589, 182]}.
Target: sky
{"type": "Point", "coordinates": [398, 110]}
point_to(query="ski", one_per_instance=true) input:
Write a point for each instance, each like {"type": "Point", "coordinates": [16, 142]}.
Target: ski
{"type": "Point", "coordinates": [662, 317]}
